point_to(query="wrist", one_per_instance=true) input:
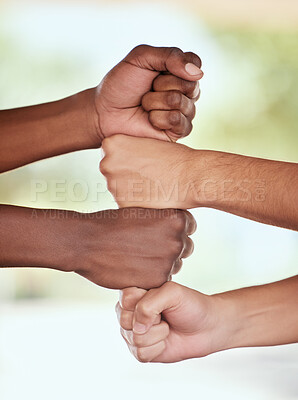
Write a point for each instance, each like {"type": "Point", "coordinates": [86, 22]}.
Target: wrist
{"type": "Point", "coordinates": [88, 125]}
{"type": "Point", "coordinates": [229, 321]}
{"type": "Point", "coordinates": [245, 314]}
{"type": "Point", "coordinates": [221, 323]}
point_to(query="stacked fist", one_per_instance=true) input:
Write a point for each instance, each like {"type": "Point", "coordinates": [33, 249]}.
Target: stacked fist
{"type": "Point", "coordinates": [139, 120]}
{"type": "Point", "coordinates": [137, 113]}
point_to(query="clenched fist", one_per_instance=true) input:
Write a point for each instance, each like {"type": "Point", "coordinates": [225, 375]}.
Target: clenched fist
{"type": "Point", "coordinates": [132, 247]}
{"type": "Point", "coordinates": [143, 172]}
{"type": "Point", "coordinates": [151, 93]}
{"type": "Point", "coordinates": [172, 323]}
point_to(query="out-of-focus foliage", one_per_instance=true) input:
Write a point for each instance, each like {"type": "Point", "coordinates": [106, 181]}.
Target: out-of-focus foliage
{"type": "Point", "coordinates": [262, 117]}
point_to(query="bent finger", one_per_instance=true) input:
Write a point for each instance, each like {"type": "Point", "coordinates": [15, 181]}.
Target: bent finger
{"type": "Point", "coordinates": [171, 100]}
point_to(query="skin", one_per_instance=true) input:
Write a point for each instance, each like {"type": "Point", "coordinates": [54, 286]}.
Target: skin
{"type": "Point", "coordinates": [83, 120]}
{"type": "Point", "coordinates": [112, 248]}
{"type": "Point", "coordinates": [173, 323]}
{"type": "Point", "coordinates": [254, 188]}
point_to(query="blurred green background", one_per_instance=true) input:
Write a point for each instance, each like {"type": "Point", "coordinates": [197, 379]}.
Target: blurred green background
{"type": "Point", "coordinates": [248, 105]}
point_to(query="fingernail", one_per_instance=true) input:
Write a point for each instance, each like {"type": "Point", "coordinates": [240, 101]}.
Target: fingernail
{"type": "Point", "coordinates": [139, 328]}
{"type": "Point", "coordinates": [192, 69]}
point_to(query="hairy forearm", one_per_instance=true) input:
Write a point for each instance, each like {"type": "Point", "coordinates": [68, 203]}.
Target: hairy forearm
{"type": "Point", "coordinates": [37, 238]}
{"type": "Point", "coordinates": [260, 316]}
{"type": "Point", "coordinates": [254, 188]}
{"type": "Point", "coordinates": [32, 133]}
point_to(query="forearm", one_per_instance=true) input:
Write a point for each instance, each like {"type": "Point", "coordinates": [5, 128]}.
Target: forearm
{"type": "Point", "coordinates": [32, 133]}
{"type": "Point", "coordinates": [260, 316]}
{"type": "Point", "coordinates": [37, 238]}
{"type": "Point", "coordinates": [254, 188]}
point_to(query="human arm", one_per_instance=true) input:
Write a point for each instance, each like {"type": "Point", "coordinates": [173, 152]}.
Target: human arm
{"type": "Point", "coordinates": [33, 133]}
{"type": "Point", "coordinates": [112, 248]}
{"type": "Point", "coordinates": [173, 323]}
{"type": "Point", "coordinates": [148, 173]}
{"type": "Point", "coordinates": [83, 120]}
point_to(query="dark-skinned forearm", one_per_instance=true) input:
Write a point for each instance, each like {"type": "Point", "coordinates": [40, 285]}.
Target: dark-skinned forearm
{"type": "Point", "coordinates": [111, 248]}
{"type": "Point", "coordinates": [37, 238]}
{"type": "Point", "coordinates": [33, 133]}
{"type": "Point", "coordinates": [258, 189]}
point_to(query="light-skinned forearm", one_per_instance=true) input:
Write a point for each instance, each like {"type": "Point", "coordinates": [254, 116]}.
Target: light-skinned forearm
{"type": "Point", "coordinates": [258, 189]}
{"type": "Point", "coordinates": [263, 315]}
{"type": "Point", "coordinates": [33, 133]}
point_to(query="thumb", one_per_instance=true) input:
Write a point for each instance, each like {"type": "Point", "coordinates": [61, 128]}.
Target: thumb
{"type": "Point", "coordinates": [167, 59]}
{"type": "Point", "coordinates": [152, 304]}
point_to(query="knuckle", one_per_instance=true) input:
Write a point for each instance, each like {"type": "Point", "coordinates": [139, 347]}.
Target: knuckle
{"type": "Point", "coordinates": [153, 118]}
{"type": "Point", "coordinates": [110, 143]}
{"type": "Point", "coordinates": [188, 128]}
{"type": "Point", "coordinates": [188, 87]}
{"type": "Point", "coordinates": [177, 247]}
{"type": "Point", "coordinates": [177, 266]}
{"type": "Point", "coordinates": [157, 83]}
{"type": "Point", "coordinates": [192, 113]}
{"type": "Point", "coordinates": [104, 166]}
{"type": "Point", "coordinates": [128, 298]}
{"type": "Point", "coordinates": [175, 117]}
{"type": "Point", "coordinates": [145, 101]}
{"type": "Point", "coordinates": [190, 246]}
{"type": "Point", "coordinates": [115, 140]}
{"type": "Point", "coordinates": [125, 320]}
{"type": "Point", "coordinates": [141, 48]}
{"type": "Point", "coordinates": [144, 309]}
{"type": "Point", "coordinates": [137, 340]}
{"type": "Point", "coordinates": [175, 51]}
{"type": "Point", "coordinates": [174, 99]}
{"type": "Point", "coordinates": [180, 221]}
{"type": "Point", "coordinates": [141, 355]}
{"type": "Point", "coordinates": [194, 58]}
{"type": "Point", "coordinates": [107, 142]}
{"type": "Point", "coordinates": [105, 145]}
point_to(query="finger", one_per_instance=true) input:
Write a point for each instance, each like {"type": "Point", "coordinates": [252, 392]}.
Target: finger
{"type": "Point", "coordinates": [164, 83]}
{"type": "Point", "coordinates": [129, 297]}
{"type": "Point", "coordinates": [147, 354]}
{"type": "Point", "coordinates": [173, 121]}
{"type": "Point", "coordinates": [177, 266]}
{"type": "Point", "coordinates": [191, 223]}
{"type": "Point", "coordinates": [153, 304]}
{"type": "Point", "coordinates": [156, 334]}
{"type": "Point", "coordinates": [188, 248]}
{"type": "Point", "coordinates": [125, 318]}
{"type": "Point", "coordinates": [184, 65]}
{"type": "Point", "coordinates": [171, 100]}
